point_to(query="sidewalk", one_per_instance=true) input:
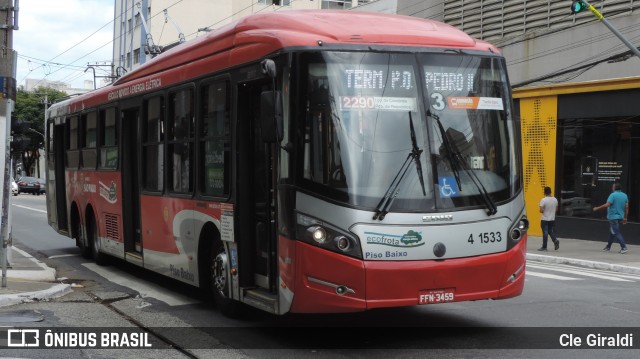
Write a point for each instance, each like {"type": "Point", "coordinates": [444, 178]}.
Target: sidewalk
{"type": "Point", "coordinates": [586, 254]}
{"type": "Point", "coordinates": [28, 279]}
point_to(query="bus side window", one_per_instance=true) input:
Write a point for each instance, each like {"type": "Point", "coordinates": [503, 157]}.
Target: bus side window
{"type": "Point", "coordinates": [215, 143]}
{"type": "Point", "coordinates": [152, 145]}
{"type": "Point", "coordinates": [180, 144]}
{"type": "Point", "coordinates": [89, 127]}
{"type": "Point", "coordinates": [108, 139]}
{"type": "Point", "coordinates": [73, 152]}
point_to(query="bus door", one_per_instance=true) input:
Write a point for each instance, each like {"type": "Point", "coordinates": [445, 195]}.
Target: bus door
{"type": "Point", "coordinates": [56, 188]}
{"type": "Point", "coordinates": [130, 119]}
{"type": "Point", "coordinates": [255, 196]}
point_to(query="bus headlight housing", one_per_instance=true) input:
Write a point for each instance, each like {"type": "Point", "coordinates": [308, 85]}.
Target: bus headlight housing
{"type": "Point", "coordinates": [518, 230]}
{"type": "Point", "coordinates": [324, 235]}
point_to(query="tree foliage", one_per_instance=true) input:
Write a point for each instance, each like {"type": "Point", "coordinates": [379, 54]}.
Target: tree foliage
{"type": "Point", "coordinates": [27, 123]}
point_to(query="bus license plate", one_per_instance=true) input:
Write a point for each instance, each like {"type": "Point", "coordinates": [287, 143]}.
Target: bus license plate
{"type": "Point", "coordinates": [436, 296]}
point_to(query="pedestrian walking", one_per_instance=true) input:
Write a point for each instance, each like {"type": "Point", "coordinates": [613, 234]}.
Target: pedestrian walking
{"type": "Point", "coordinates": [617, 212]}
{"type": "Point", "coordinates": [548, 208]}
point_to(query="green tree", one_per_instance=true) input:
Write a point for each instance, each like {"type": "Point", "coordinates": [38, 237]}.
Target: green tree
{"type": "Point", "coordinates": [27, 124]}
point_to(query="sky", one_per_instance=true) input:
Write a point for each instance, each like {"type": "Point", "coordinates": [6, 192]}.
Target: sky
{"type": "Point", "coordinates": [57, 39]}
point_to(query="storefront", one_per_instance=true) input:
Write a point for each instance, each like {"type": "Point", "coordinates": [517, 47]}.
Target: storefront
{"type": "Point", "coordinates": [579, 139]}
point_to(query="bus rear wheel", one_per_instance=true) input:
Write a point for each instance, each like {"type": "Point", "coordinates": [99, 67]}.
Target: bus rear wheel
{"type": "Point", "coordinates": [85, 247]}
{"type": "Point", "coordinates": [221, 283]}
{"type": "Point", "coordinates": [94, 241]}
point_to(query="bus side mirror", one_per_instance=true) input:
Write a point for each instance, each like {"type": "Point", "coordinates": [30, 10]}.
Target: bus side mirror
{"type": "Point", "coordinates": [271, 116]}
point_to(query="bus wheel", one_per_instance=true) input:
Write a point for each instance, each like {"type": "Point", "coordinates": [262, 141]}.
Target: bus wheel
{"type": "Point", "coordinates": [92, 232]}
{"type": "Point", "coordinates": [220, 282]}
{"type": "Point", "coordinates": [85, 248]}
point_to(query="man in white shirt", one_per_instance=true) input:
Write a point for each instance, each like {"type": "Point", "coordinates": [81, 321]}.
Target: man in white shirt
{"type": "Point", "coordinates": [548, 208]}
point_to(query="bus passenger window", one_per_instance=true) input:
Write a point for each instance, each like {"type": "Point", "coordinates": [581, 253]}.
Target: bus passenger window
{"type": "Point", "coordinates": [108, 139]}
{"type": "Point", "coordinates": [73, 152]}
{"type": "Point", "coordinates": [89, 136]}
{"type": "Point", "coordinates": [152, 145]}
{"type": "Point", "coordinates": [180, 145]}
{"type": "Point", "coordinates": [214, 144]}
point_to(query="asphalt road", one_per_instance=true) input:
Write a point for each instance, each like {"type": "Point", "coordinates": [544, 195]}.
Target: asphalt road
{"type": "Point", "coordinates": [559, 304]}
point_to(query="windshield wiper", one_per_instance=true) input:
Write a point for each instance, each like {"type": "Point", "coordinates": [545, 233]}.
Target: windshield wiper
{"type": "Point", "coordinates": [392, 192]}
{"type": "Point", "coordinates": [456, 162]}
{"type": "Point", "coordinates": [451, 154]}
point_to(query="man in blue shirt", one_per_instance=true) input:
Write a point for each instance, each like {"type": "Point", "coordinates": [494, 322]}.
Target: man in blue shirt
{"type": "Point", "coordinates": [617, 211]}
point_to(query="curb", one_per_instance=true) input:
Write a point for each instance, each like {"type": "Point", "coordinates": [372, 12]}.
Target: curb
{"type": "Point", "coordinates": [45, 274]}
{"type": "Point", "coordinates": [57, 290]}
{"type": "Point", "coordinates": [583, 263]}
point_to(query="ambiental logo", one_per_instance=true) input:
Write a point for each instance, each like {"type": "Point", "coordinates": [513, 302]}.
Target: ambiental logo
{"type": "Point", "coordinates": [408, 240]}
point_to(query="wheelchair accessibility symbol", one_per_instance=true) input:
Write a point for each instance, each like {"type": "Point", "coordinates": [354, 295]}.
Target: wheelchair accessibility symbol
{"type": "Point", "coordinates": [448, 186]}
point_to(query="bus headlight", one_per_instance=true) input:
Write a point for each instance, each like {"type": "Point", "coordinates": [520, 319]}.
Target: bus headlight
{"type": "Point", "coordinates": [318, 234]}
{"type": "Point", "coordinates": [327, 236]}
{"type": "Point", "coordinates": [343, 243]}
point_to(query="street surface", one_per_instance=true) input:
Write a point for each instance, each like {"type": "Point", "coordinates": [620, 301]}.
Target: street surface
{"type": "Point", "coordinates": [558, 299]}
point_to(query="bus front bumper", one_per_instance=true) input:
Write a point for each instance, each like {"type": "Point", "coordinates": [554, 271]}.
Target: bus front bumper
{"type": "Point", "coordinates": [330, 283]}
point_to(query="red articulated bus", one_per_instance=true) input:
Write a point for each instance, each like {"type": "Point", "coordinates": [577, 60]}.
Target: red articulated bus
{"type": "Point", "coordinates": [305, 162]}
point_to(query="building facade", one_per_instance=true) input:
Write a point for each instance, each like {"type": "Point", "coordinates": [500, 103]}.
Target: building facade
{"type": "Point", "coordinates": [576, 90]}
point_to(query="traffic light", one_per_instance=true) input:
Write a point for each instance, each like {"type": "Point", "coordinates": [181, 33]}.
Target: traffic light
{"type": "Point", "coordinates": [578, 6]}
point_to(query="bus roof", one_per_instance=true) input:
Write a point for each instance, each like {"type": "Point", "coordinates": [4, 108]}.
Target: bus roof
{"type": "Point", "coordinates": [258, 35]}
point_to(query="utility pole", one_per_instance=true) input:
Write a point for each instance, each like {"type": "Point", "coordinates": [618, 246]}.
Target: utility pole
{"type": "Point", "coordinates": [8, 22]}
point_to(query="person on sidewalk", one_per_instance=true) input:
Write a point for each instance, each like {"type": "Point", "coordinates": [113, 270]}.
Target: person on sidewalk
{"type": "Point", "coordinates": [617, 206]}
{"type": "Point", "coordinates": [548, 208]}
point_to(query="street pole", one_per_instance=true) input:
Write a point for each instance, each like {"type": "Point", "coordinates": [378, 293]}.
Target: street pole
{"type": "Point", "coordinates": [8, 22]}
{"type": "Point", "coordinates": [611, 28]}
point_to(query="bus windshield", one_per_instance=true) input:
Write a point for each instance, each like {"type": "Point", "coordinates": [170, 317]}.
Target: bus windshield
{"type": "Point", "coordinates": [425, 131]}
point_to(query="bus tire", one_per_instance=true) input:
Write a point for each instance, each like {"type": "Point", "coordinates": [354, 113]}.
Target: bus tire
{"type": "Point", "coordinates": [94, 240]}
{"type": "Point", "coordinates": [220, 281]}
{"type": "Point", "coordinates": [85, 247]}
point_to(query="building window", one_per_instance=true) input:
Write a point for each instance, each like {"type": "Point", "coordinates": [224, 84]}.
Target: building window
{"type": "Point", "coordinates": [152, 145]}
{"type": "Point", "coordinates": [136, 56]}
{"type": "Point", "coordinates": [180, 141]}
{"type": "Point", "coordinates": [336, 5]}
{"type": "Point", "coordinates": [137, 23]}
{"type": "Point", "coordinates": [215, 140]}
{"type": "Point", "coordinates": [596, 153]}
{"type": "Point", "coordinates": [271, 2]}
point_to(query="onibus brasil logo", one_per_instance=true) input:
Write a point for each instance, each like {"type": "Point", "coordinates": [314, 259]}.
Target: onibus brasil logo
{"type": "Point", "coordinates": [408, 240]}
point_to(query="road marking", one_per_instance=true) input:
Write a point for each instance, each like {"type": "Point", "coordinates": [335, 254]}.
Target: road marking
{"type": "Point", "coordinates": [584, 273]}
{"type": "Point", "coordinates": [634, 277]}
{"type": "Point", "coordinates": [64, 255]}
{"type": "Point", "coordinates": [145, 288]}
{"type": "Point", "coordinates": [550, 276]}
{"type": "Point", "coordinates": [31, 209]}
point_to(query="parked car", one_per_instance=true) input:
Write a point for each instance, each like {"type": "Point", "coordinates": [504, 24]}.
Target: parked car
{"type": "Point", "coordinates": [31, 185]}
{"type": "Point", "coordinates": [14, 187]}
